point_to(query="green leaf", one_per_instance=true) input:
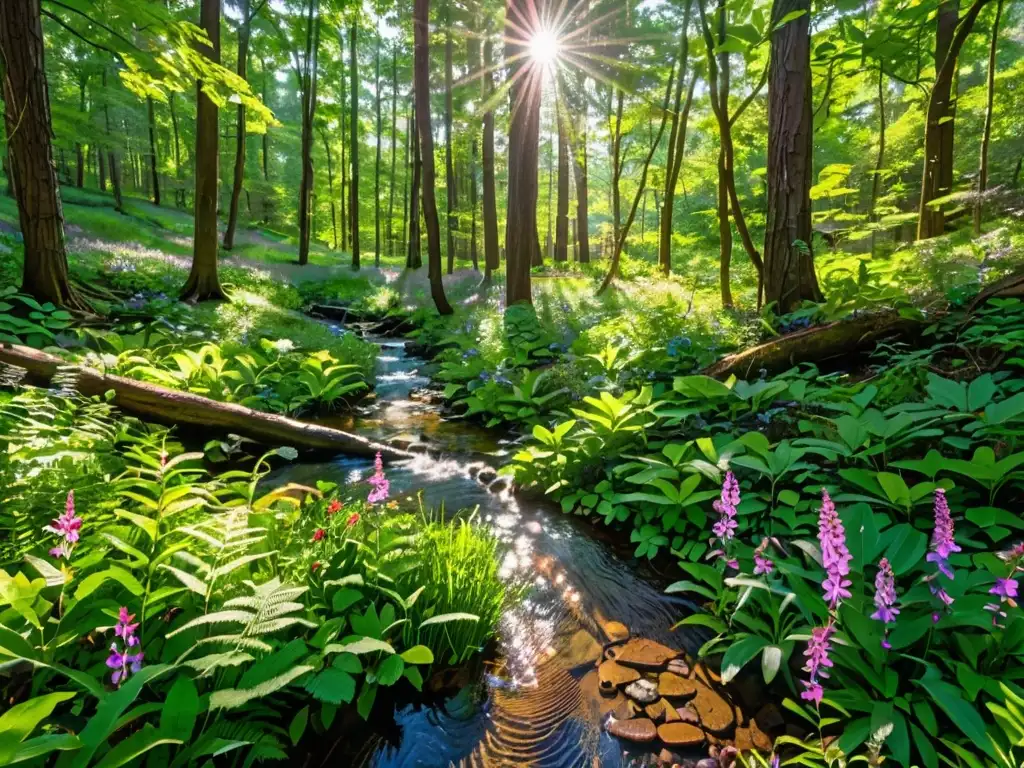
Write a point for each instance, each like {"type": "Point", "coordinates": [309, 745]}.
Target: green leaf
{"type": "Point", "coordinates": [366, 698]}
{"type": "Point", "coordinates": [18, 722]}
{"type": "Point", "coordinates": [905, 547]}
{"type": "Point", "coordinates": [418, 654]}
{"type": "Point", "coordinates": [333, 686]}
{"type": "Point", "coordinates": [390, 670]}
{"type": "Point", "coordinates": [361, 646]}
{"type": "Point", "coordinates": [444, 618]}
{"type": "Point", "coordinates": [135, 746]}
{"type": "Point", "coordinates": [93, 581]}
{"type": "Point", "coordinates": [181, 707]}
{"type": "Point", "coordinates": [1007, 410]}
{"type": "Point", "coordinates": [704, 620]}
{"type": "Point", "coordinates": [44, 745]}
{"type": "Point", "coordinates": [298, 725]}
{"type": "Point", "coordinates": [962, 713]}
{"type": "Point", "coordinates": [739, 653]}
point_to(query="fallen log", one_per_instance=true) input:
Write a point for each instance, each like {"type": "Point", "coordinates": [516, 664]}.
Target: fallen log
{"type": "Point", "coordinates": [813, 345]}
{"type": "Point", "coordinates": [1011, 286]}
{"type": "Point", "coordinates": [152, 402]}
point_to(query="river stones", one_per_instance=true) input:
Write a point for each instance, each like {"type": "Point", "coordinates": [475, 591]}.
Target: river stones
{"type": "Point", "coordinates": [688, 715]}
{"type": "Point", "coordinates": [662, 711]}
{"type": "Point", "coordinates": [679, 667]}
{"type": "Point", "coordinates": [752, 737]}
{"type": "Point", "coordinates": [680, 734]}
{"type": "Point", "coordinates": [615, 631]}
{"type": "Point", "coordinates": [613, 675]}
{"type": "Point", "coordinates": [716, 714]}
{"type": "Point", "coordinates": [639, 729]}
{"type": "Point", "coordinates": [642, 653]}
{"type": "Point", "coordinates": [583, 649]}
{"type": "Point", "coordinates": [643, 691]}
{"type": "Point", "coordinates": [676, 687]}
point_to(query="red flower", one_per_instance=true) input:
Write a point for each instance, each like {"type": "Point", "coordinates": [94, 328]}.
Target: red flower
{"type": "Point", "coordinates": [334, 506]}
{"type": "Point", "coordinates": [320, 533]}
{"type": "Point", "coordinates": [352, 519]}
{"type": "Point", "coordinates": [316, 565]}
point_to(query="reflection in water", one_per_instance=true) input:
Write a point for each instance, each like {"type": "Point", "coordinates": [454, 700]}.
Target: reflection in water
{"type": "Point", "coordinates": [539, 705]}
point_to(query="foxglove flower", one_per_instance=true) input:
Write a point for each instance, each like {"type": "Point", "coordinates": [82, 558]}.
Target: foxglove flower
{"type": "Point", "coordinates": [818, 663]}
{"type": "Point", "coordinates": [885, 599]}
{"type": "Point", "coordinates": [943, 544]}
{"type": "Point", "coordinates": [762, 563]}
{"type": "Point", "coordinates": [379, 482]}
{"type": "Point", "coordinates": [835, 557]}
{"type": "Point", "coordinates": [725, 528]}
{"type": "Point", "coordinates": [68, 527]}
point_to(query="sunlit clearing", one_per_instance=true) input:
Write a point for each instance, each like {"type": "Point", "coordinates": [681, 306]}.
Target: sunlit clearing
{"type": "Point", "coordinates": [544, 47]}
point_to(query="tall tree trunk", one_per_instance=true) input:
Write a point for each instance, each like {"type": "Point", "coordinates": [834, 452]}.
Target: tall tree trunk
{"type": "Point", "coordinates": [239, 178]}
{"type": "Point", "coordinates": [453, 198]}
{"type": "Point", "coordinates": [562, 217]}
{"type": "Point", "coordinates": [354, 144]}
{"type": "Point", "coordinates": [203, 283]}
{"type": "Point", "coordinates": [101, 167]}
{"type": "Point", "coordinates": [344, 201]}
{"type": "Point", "coordinates": [307, 77]}
{"type": "Point", "coordinates": [876, 182]}
{"type": "Point", "coordinates": [578, 149]}
{"type": "Point", "coordinates": [30, 155]}
{"type": "Point", "coordinates": [549, 208]}
{"type": "Point", "coordinates": [79, 155]}
{"type": "Point", "coordinates": [490, 212]}
{"type": "Point", "coordinates": [617, 167]}
{"type": "Point", "coordinates": [179, 191]}
{"type": "Point", "coordinates": [394, 156]}
{"type": "Point", "coordinates": [676, 145]}
{"type": "Point", "coordinates": [376, 179]}
{"type": "Point", "coordinates": [521, 243]}
{"type": "Point", "coordinates": [789, 277]}
{"type": "Point", "coordinates": [986, 134]}
{"type": "Point", "coordinates": [153, 159]}
{"type": "Point", "coordinates": [114, 163]}
{"type": "Point", "coordinates": [330, 187]}
{"type": "Point", "coordinates": [265, 144]}
{"type": "Point", "coordinates": [421, 87]}
{"type": "Point", "coordinates": [413, 260]}
{"type": "Point", "coordinates": [473, 59]}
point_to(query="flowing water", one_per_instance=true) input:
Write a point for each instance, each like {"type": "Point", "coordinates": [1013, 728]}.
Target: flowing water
{"type": "Point", "coordinates": [539, 705]}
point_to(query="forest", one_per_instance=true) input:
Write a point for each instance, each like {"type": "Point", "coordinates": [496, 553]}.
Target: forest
{"type": "Point", "coordinates": [549, 383]}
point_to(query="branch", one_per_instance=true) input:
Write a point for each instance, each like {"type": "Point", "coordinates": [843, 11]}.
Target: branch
{"type": "Point", "coordinates": [79, 35]}
{"type": "Point", "coordinates": [91, 20]}
{"type": "Point", "coordinates": [751, 96]}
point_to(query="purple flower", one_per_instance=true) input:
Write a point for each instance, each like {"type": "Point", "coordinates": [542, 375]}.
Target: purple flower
{"type": "Point", "coordinates": [818, 663]}
{"type": "Point", "coordinates": [775, 761]}
{"type": "Point", "coordinates": [1005, 589]}
{"type": "Point", "coordinates": [762, 563]}
{"type": "Point", "coordinates": [943, 544]}
{"type": "Point", "coordinates": [124, 627]}
{"type": "Point", "coordinates": [885, 598]}
{"type": "Point", "coordinates": [68, 527]}
{"type": "Point", "coordinates": [835, 557]}
{"type": "Point", "coordinates": [123, 664]}
{"type": "Point", "coordinates": [380, 483]}
{"type": "Point", "coordinates": [725, 528]}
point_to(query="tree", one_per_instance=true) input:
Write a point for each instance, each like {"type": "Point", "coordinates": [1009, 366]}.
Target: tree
{"type": "Point", "coordinates": [413, 260]}
{"type": "Point", "coordinates": [153, 159]}
{"type": "Point", "coordinates": [354, 142]}
{"type": "Point", "coordinates": [449, 166]}
{"type": "Point", "coordinates": [394, 155]}
{"type": "Point", "coordinates": [421, 88]}
{"type": "Point", "coordinates": [376, 175]}
{"type": "Point", "coordinates": [676, 147]}
{"type": "Point", "coordinates": [203, 283]}
{"type": "Point", "coordinates": [562, 216]}
{"type": "Point", "coordinates": [490, 212]}
{"type": "Point", "coordinates": [789, 277]}
{"type": "Point", "coordinates": [306, 74]}
{"type": "Point", "coordinates": [986, 136]}
{"type": "Point", "coordinates": [522, 246]}
{"type": "Point", "coordinates": [30, 155]}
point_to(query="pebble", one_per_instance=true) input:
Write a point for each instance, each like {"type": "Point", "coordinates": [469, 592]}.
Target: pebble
{"type": "Point", "coordinates": [680, 734]}
{"type": "Point", "coordinates": [613, 675]}
{"type": "Point", "coordinates": [638, 729]}
{"type": "Point", "coordinates": [679, 667]}
{"type": "Point", "coordinates": [643, 654]}
{"type": "Point", "coordinates": [616, 631]}
{"type": "Point", "coordinates": [716, 714]}
{"type": "Point", "coordinates": [644, 691]}
{"type": "Point", "coordinates": [674, 686]}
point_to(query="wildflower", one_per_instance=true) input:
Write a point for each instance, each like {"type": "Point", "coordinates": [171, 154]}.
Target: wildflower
{"type": "Point", "coordinates": [68, 527]}
{"type": "Point", "coordinates": [352, 519]}
{"type": "Point", "coordinates": [334, 507]}
{"type": "Point", "coordinates": [835, 557]}
{"type": "Point", "coordinates": [885, 598]}
{"type": "Point", "coordinates": [1005, 588]}
{"type": "Point", "coordinates": [725, 506]}
{"type": "Point", "coordinates": [378, 481]}
{"type": "Point", "coordinates": [818, 662]}
{"type": "Point", "coordinates": [943, 544]}
{"type": "Point", "coordinates": [319, 535]}
{"type": "Point", "coordinates": [776, 762]}
{"type": "Point", "coordinates": [123, 664]}
{"type": "Point", "coordinates": [124, 628]}
{"type": "Point", "coordinates": [762, 563]}
{"type": "Point", "coordinates": [315, 566]}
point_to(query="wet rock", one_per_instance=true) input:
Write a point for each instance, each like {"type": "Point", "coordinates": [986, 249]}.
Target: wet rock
{"type": "Point", "coordinates": [643, 653]}
{"type": "Point", "coordinates": [681, 734]}
{"type": "Point", "coordinates": [769, 719]}
{"type": "Point", "coordinates": [688, 715]}
{"type": "Point", "coordinates": [613, 675]}
{"type": "Point", "coordinates": [639, 729]}
{"type": "Point", "coordinates": [671, 715]}
{"type": "Point", "coordinates": [716, 714]}
{"type": "Point", "coordinates": [659, 711]}
{"type": "Point", "coordinates": [676, 687]}
{"type": "Point", "coordinates": [708, 676]}
{"type": "Point", "coordinates": [485, 476]}
{"type": "Point", "coordinates": [615, 631]}
{"type": "Point", "coordinates": [752, 737]}
{"type": "Point", "coordinates": [669, 758]}
{"type": "Point", "coordinates": [616, 704]}
{"type": "Point", "coordinates": [679, 667]}
{"type": "Point", "coordinates": [583, 649]}
{"type": "Point", "coordinates": [707, 762]}
{"type": "Point", "coordinates": [643, 691]}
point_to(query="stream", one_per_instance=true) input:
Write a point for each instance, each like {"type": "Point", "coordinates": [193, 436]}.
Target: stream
{"type": "Point", "coordinates": [539, 704]}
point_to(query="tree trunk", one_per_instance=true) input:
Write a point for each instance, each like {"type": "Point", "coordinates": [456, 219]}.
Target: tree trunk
{"type": "Point", "coordinates": [114, 163]}
{"type": "Point", "coordinates": [343, 198]}
{"type": "Point", "coordinates": [490, 212]}
{"type": "Point", "coordinates": [578, 148]}
{"type": "Point", "coordinates": [521, 243]}
{"type": "Point", "coordinates": [394, 156]}
{"type": "Point", "coordinates": [307, 77]}
{"type": "Point", "coordinates": [986, 135]}
{"type": "Point", "coordinates": [473, 59]}
{"type": "Point", "coordinates": [239, 178]}
{"type": "Point", "coordinates": [453, 198]}
{"type": "Point", "coordinates": [203, 283]}
{"type": "Point", "coordinates": [413, 260]}
{"type": "Point", "coordinates": [179, 191]}
{"type": "Point", "coordinates": [617, 167]}
{"type": "Point", "coordinates": [789, 277]}
{"type": "Point", "coordinates": [562, 218]}
{"type": "Point", "coordinates": [79, 155]}
{"type": "Point", "coordinates": [676, 145]}
{"type": "Point", "coordinates": [376, 179]}
{"type": "Point", "coordinates": [330, 187]}
{"type": "Point", "coordinates": [265, 160]}
{"type": "Point", "coordinates": [153, 159]}
{"type": "Point", "coordinates": [876, 182]}
{"type": "Point", "coordinates": [30, 154]}
{"type": "Point", "coordinates": [101, 167]}
{"type": "Point", "coordinates": [354, 145]}
{"type": "Point", "coordinates": [421, 87]}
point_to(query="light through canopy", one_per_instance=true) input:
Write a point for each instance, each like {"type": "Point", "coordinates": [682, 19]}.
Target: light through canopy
{"type": "Point", "coordinates": [544, 47]}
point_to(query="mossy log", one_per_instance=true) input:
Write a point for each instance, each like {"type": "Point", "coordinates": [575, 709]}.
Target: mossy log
{"type": "Point", "coordinates": [813, 345]}
{"type": "Point", "coordinates": [152, 402]}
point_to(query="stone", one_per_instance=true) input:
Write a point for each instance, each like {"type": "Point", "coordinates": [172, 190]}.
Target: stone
{"type": "Point", "coordinates": [679, 667]}
{"type": "Point", "coordinates": [583, 649]}
{"type": "Point", "coordinates": [615, 631]}
{"type": "Point", "coordinates": [675, 687]}
{"type": "Point", "coordinates": [768, 718]}
{"type": "Point", "coordinates": [681, 734]}
{"type": "Point", "coordinates": [707, 676]}
{"type": "Point", "coordinates": [643, 691]}
{"type": "Point", "coordinates": [642, 653]}
{"type": "Point", "coordinates": [716, 714]}
{"type": "Point", "coordinates": [707, 762]}
{"type": "Point", "coordinates": [752, 737]}
{"type": "Point", "coordinates": [668, 758]}
{"type": "Point", "coordinates": [688, 715]}
{"type": "Point", "coordinates": [616, 703]}
{"type": "Point", "coordinates": [671, 715]}
{"type": "Point", "coordinates": [656, 711]}
{"type": "Point", "coordinates": [639, 729]}
{"type": "Point", "coordinates": [613, 675]}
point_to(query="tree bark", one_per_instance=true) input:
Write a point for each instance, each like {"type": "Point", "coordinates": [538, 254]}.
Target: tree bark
{"type": "Point", "coordinates": [330, 187]}
{"type": "Point", "coordinates": [343, 197]}
{"type": "Point", "coordinates": [676, 146]}
{"type": "Point", "coordinates": [114, 163]}
{"type": "Point", "coordinates": [789, 277]}
{"type": "Point", "coordinates": [394, 156]}
{"type": "Point", "coordinates": [876, 182]}
{"type": "Point", "coordinates": [179, 191]}
{"type": "Point", "coordinates": [521, 243]}
{"type": "Point", "coordinates": [490, 212]}
{"type": "Point", "coordinates": [153, 159]}
{"type": "Point", "coordinates": [453, 197]}
{"type": "Point", "coordinates": [562, 217]}
{"type": "Point", "coordinates": [986, 134]}
{"type": "Point", "coordinates": [617, 167]}
{"type": "Point", "coordinates": [421, 86]}
{"type": "Point", "coordinates": [307, 76]}
{"type": "Point", "coordinates": [354, 144]}
{"type": "Point", "coordinates": [239, 177]}
{"type": "Point", "coordinates": [376, 179]}
{"type": "Point", "coordinates": [413, 260]}
{"type": "Point", "coordinates": [30, 155]}
{"type": "Point", "coordinates": [83, 81]}
{"type": "Point", "coordinates": [265, 146]}
{"type": "Point", "coordinates": [203, 283]}
{"type": "Point", "coordinates": [578, 149]}
{"type": "Point", "coordinates": [473, 59]}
